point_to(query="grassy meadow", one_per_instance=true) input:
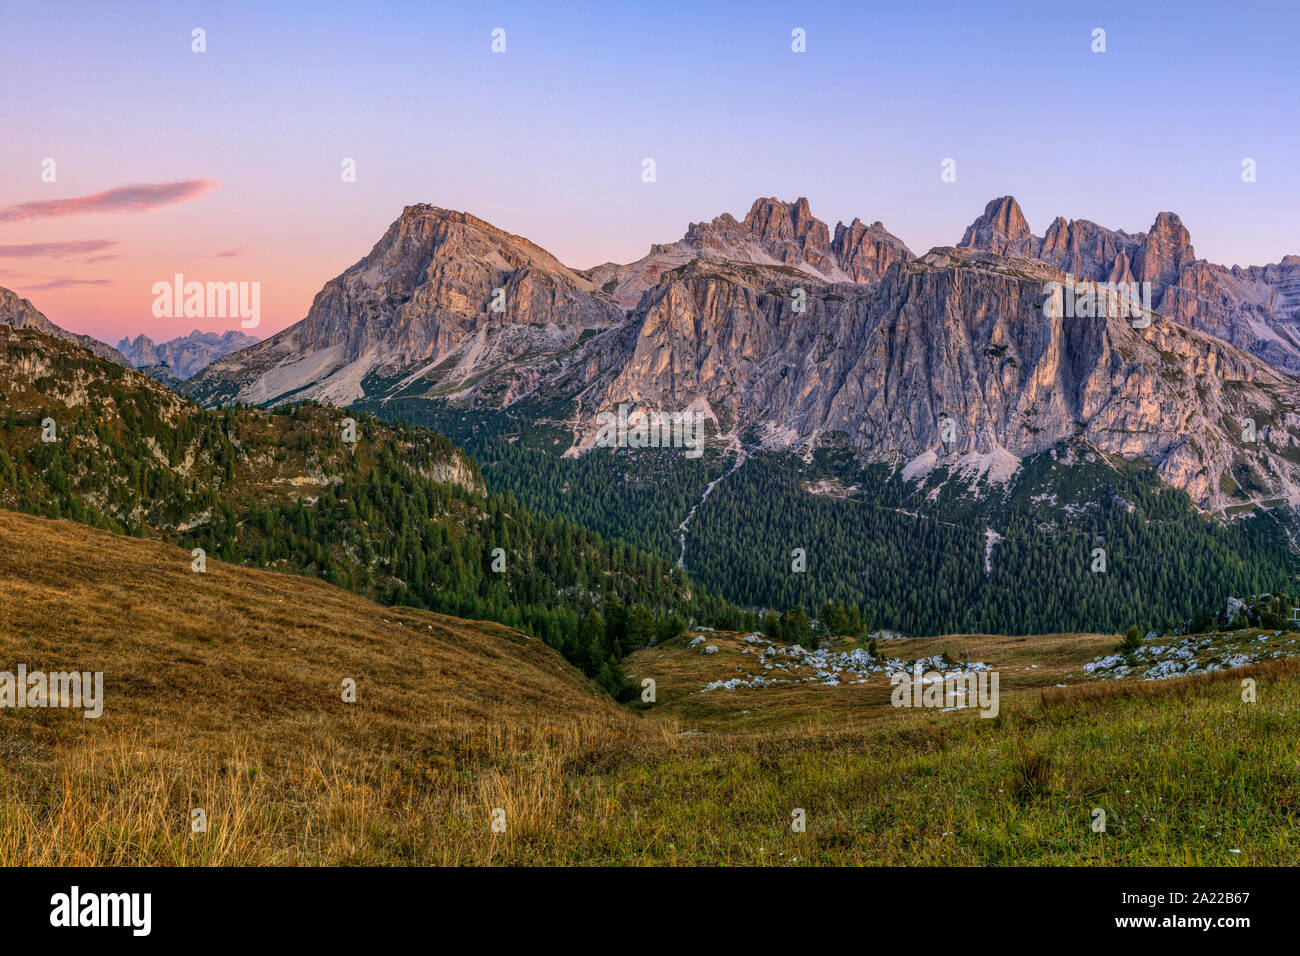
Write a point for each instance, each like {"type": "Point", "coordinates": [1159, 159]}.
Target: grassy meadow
{"type": "Point", "coordinates": [223, 692]}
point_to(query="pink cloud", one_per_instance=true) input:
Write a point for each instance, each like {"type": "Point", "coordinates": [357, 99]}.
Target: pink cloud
{"type": "Point", "coordinates": [229, 253]}
{"type": "Point", "coordinates": [137, 197]}
{"type": "Point", "coordinates": [61, 282]}
{"type": "Point", "coordinates": [38, 250]}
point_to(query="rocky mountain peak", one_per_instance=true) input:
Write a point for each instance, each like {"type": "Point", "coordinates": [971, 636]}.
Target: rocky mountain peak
{"type": "Point", "coordinates": [139, 351]}
{"type": "Point", "coordinates": [1001, 229]}
{"type": "Point", "coordinates": [774, 221]}
{"type": "Point", "coordinates": [1168, 224]}
{"type": "Point", "coordinates": [773, 232]}
{"type": "Point", "coordinates": [1256, 309]}
{"type": "Point", "coordinates": [440, 285]}
{"type": "Point", "coordinates": [865, 253]}
{"type": "Point", "coordinates": [1164, 252]}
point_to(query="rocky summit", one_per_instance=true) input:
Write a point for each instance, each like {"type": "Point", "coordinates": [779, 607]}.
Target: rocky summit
{"type": "Point", "coordinates": [1256, 309]}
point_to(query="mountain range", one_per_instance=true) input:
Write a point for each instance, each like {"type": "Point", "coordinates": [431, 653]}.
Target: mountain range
{"type": "Point", "coordinates": [791, 335]}
{"type": "Point", "coordinates": [1256, 309]}
{"type": "Point", "coordinates": [184, 355]}
{"type": "Point", "coordinates": [170, 362]}
{"type": "Point", "coordinates": [901, 420]}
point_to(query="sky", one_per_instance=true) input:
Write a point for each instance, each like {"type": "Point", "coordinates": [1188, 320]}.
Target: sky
{"type": "Point", "coordinates": [227, 165]}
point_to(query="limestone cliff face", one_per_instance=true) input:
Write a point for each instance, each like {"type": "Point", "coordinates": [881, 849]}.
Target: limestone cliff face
{"type": "Point", "coordinates": [957, 335]}
{"type": "Point", "coordinates": [425, 294]}
{"type": "Point", "coordinates": [963, 336]}
{"type": "Point", "coordinates": [1256, 309]}
{"type": "Point", "coordinates": [454, 470]}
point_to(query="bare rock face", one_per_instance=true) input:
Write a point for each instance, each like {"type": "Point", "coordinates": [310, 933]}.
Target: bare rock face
{"type": "Point", "coordinates": [776, 326]}
{"type": "Point", "coordinates": [957, 335]}
{"type": "Point", "coordinates": [1089, 251]}
{"type": "Point", "coordinates": [19, 313]}
{"type": "Point", "coordinates": [183, 356]}
{"type": "Point", "coordinates": [1256, 309]}
{"type": "Point", "coordinates": [773, 233]}
{"type": "Point", "coordinates": [426, 294]}
{"type": "Point", "coordinates": [1164, 253]}
{"type": "Point", "coordinates": [719, 333]}
{"type": "Point", "coordinates": [788, 230]}
{"type": "Point", "coordinates": [963, 336]}
{"type": "Point", "coordinates": [1002, 229]}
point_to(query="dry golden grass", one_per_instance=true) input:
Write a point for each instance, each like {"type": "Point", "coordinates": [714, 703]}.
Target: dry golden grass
{"type": "Point", "coordinates": [223, 690]}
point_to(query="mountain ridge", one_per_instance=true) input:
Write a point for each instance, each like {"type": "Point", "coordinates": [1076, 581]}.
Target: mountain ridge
{"type": "Point", "coordinates": [20, 313]}
{"type": "Point", "coordinates": [1256, 308]}
{"type": "Point", "coordinates": [727, 319]}
{"type": "Point", "coordinates": [183, 355]}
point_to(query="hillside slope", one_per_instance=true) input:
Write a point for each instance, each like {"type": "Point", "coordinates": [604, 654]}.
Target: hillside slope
{"type": "Point", "coordinates": [223, 690]}
{"type": "Point", "coordinates": [132, 454]}
{"type": "Point", "coordinates": [19, 313]}
{"type": "Point", "coordinates": [223, 693]}
{"type": "Point", "coordinates": [393, 512]}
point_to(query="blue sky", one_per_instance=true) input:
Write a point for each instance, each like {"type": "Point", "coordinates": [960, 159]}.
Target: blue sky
{"type": "Point", "coordinates": [546, 140]}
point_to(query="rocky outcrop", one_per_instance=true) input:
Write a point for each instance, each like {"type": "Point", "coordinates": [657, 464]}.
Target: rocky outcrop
{"type": "Point", "coordinates": [1256, 309]}
{"type": "Point", "coordinates": [19, 313]}
{"type": "Point", "coordinates": [773, 233]}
